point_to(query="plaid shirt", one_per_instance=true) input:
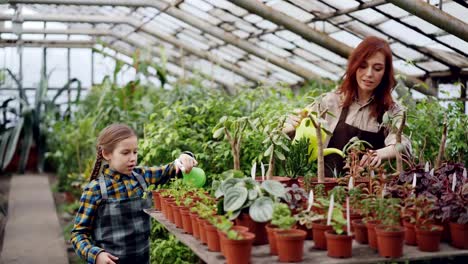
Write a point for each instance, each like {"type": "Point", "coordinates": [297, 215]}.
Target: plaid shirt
{"type": "Point", "coordinates": [119, 186]}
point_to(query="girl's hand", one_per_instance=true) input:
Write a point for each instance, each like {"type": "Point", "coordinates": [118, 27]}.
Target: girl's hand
{"type": "Point", "coordinates": [185, 163]}
{"type": "Point", "coordinates": [106, 258]}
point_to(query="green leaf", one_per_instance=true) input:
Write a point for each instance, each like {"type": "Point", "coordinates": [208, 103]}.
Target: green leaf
{"type": "Point", "coordinates": [280, 155]}
{"type": "Point", "coordinates": [261, 210]}
{"type": "Point", "coordinates": [274, 188]}
{"type": "Point", "coordinates": [234, 198]}
{"type": "Point", "coordinates": [218, 132]}
{"type": "Point", "coordinates": [268, 151]}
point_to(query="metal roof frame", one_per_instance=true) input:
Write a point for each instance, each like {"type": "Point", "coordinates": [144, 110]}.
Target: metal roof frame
{"type": "Point", "coordinates": [280, 59]}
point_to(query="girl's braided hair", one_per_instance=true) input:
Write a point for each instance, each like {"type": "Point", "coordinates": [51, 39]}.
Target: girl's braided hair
{"type": "Point", "coordinates": [107, 141]}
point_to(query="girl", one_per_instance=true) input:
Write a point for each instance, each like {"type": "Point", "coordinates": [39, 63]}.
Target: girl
{"type": "Point", "coordinates": [359, 104]}
{"type": "Point", "coordinates": [110, 226]}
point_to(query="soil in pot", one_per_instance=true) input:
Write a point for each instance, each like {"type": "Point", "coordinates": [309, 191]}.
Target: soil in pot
{"type": "Point", "coordinates": [290, 244]}
{"type": "Point", "coordinates": [338, 246]}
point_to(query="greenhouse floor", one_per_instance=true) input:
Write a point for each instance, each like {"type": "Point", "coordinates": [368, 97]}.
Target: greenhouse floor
{"type": "Point", "coordinates": [32, 232]}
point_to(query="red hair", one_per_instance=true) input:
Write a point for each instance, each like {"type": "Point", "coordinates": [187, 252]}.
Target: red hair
{"type": "Point", "coordinates": [383, 92]}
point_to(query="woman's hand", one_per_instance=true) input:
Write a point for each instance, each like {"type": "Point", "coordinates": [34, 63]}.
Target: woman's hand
{"type": "Point", "coordinates": [185, 163]}
{"type": "Point", "coordinates": [372, 159]}
{"type": "Point", "coordinates": [106, 258]}
{"type": "Point", "coordinates": [291, 123]}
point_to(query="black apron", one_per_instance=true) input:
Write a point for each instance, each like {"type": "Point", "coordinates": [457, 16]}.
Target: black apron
{"type": "Point", "coordinates": [341, 136]}
{"type": "Point", "coordinates": [121, 227]}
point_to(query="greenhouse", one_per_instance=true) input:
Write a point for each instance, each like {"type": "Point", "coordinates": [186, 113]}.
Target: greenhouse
{"type": "Point", "coordinates": [233, 131]}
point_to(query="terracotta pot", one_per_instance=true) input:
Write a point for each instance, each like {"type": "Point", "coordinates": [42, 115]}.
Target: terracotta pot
{"type": "Point", "coordinates": [353, 216]}
{"type": "Point", "coordinates": [371, 235]}
{"type": "Point", "coordinates": [240, 229]}
{"type": "Point", "coordinates": [390, 242]}
{"type": "Point", "coordinates": [261, 237]}
{"type": "Point", "coordinates": [429, 239]}
{"type": "Point", "coordinates": [459, 235]}
{"type": "Point", "coordinates": [164, 206]}
{"type": "Point", "coordinates": [201, 229]}
{"type": "Point", "coordinates": [156, 200]}
{"type": "Point", "coordinates": [170, 211]}
{"type": "Point", "coordinates": [360, 231]}
{"type": "Point", "coordinates": [338, 246]}
{"type": "Point", "coordinates": [194, 220]}
{"type": "Point", "coordinates": [310, 235]}
{"type": "Point", "coordinates": [283, 180]}
{"type": "Point", "coordinates": [329, 183]}
{"type": "Point", "coordinates": [319, 229]}
{"type": "Point", "coordinates": [272, 239]}
{"type": "Point", "coordinates": [177, 216]}
{"type": "Point", "coordinates": [186, 221]}
{"type": "Point", "coordinates": [212, 237]}
{"type": "Point", "coordinates": [238, 251]}
{"type": "Point", "coordinates": [410, 234]}
{"type": "Point", "coordinates": [290, 244]}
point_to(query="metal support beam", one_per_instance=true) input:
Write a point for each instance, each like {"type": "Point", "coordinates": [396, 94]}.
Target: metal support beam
{"type": "Point", "coordinates": [132, 22]}
{"type": "Point", "coordinates": [296, 26]}
{"type": "Point", "coordinates": [47, 43]}
{"type": "Point", "coordinates": [434, 16]}
{"type": "Point", "coordinates": [350, 10]}
{"type": "Point", "coordinates": [192, 20]}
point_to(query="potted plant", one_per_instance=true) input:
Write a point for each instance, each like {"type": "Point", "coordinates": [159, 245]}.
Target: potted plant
{"type": "Point", "coordinates": [390, 235]}
{"type": "Point", "coordinates": [237, 246]}
{"type": "Point", "coordinates": [428, 234]}
{"type": "Point", "coordinates": [297, 164]}
{"type": "Point", "coordinates": [250, 203]}
{"type": "Point", "coordinates": [339, 241]}
{"type": "Point", "coordinates": [290, 242]}
{"type": "Point", "coordinates": [453, 208]}
{"type": "Point", "coordinates": [319, 227]}
{"type": "Point", "coordinates": [313, 127]}
{"type": "Point", "coordinates": [305, 218]}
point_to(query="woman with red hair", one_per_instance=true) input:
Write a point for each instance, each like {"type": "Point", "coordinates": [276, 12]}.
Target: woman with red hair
{"type": "Point", "coordinates": [359, 104]}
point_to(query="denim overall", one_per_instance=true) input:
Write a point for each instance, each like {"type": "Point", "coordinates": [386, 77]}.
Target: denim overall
{"type": "Point", "coordinates": [121, 226]}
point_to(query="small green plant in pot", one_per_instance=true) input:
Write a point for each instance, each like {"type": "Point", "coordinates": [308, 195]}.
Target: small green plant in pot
{"type": "Point", "coordinates": [339, 241]}
{"type": "Point", "coordinates": [249, 203]}
{"type": "Point", "coordinates": [390, 235]}
{"type": "Point", "coordinates": [290, 242]}
{"type": "Point", "coordinates": [428, 235]}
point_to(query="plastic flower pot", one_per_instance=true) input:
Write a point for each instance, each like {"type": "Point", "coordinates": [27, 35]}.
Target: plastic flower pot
{"type": "Point", "coordinates": [261, 237]}
{"type": "Point", "coordinates": [212, 237]}
{"type": "Point", "coordinates": [410, 234]}
{"type": "Point", "coordinates": [371, 235]}
{"type": "Point", "coordinates": [272, 239]}
{"type": "Point", "coordinates": [186, 221]}
{"type": "Point", "coordinates": [156, 200]}
{"type": "Point", "coordinates": [177, 216]}
{"type": "Point", "coordinates": [290, 244]}
{"type": "Point", "coordinates": [390, 240]}
{"type": "Point", "coordinates": [429, 238]}
{"type": "Point", "coordinates": [338, 246]}
{"type": "Point", "coordinates": [194, 220]}
{"type": "Point", "coordinates": [319, 229]}
{"type": "Point", "coordinates": [360, 231]}
{"type": "Point", "coordinates": [459, 235]}
{"type": "Point", "coordinates": [238, 251]}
